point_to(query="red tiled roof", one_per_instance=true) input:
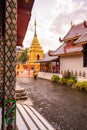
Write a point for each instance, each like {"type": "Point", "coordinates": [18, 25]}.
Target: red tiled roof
{"type": "Point", "coordinates": [82, 39]}
{"type": "Point", "coordinates": [51, 59]}
{"type": "Point", "coordinates": [68, 47]}
{"type": "Point", "coordinates": [64, 49]}
{"type": "Point", "coordinates": [76, 30]}
{"type": "Point", "coordinates": [47, 58]}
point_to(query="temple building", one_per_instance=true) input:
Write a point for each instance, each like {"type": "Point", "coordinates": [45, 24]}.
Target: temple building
{"type": "Point", "coordinates": [49, 63]}
{"type": "Point", "coordinates": [35, 52]}
{"type": "Point", "coordinates": [73, 58]}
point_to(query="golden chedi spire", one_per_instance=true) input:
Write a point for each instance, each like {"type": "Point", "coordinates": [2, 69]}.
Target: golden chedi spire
{"type": "Point", "coordinates": [35, 24]}
{"type": "Point", "coordinates": [35, 51]}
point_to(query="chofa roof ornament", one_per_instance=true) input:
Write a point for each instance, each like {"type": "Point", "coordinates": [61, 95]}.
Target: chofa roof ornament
{"type": "Point", "coordinates": [50, 53]}
{"type": "Point", "coordinates": [85, 24]}
{"type": "Point", "coordinates": [61, 40]}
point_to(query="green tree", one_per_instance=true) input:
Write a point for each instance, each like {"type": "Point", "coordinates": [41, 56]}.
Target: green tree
{"type": "Point", "coordinates": [23, 56]}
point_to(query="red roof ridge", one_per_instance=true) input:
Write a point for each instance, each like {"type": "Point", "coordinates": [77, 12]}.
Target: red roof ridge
{"type": "Point", "coordinates": [82, 39]}
{"type": "Point", "coordinates": [76, 30]}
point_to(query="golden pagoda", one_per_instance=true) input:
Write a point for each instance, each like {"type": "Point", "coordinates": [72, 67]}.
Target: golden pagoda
{"type": "Point", "coordinates": [35, 52]}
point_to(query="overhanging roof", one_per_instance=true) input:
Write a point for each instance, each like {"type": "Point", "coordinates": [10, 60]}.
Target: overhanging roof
{"type": "Point", "coordinates": [65, 49]}
{"type": "Point", "coordinates": [23, 17]}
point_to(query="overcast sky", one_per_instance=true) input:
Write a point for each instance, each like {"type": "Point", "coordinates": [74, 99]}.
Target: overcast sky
{"type": "Point", "coordinates": [54, 20]}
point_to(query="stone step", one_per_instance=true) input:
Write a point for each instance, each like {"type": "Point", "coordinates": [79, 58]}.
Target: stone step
{"type": "Point", "coordinates": [22, 98]}
{"type": "Point", "coordinates": [19, 90]}
{"type": "Point", "coordinates": [21, 93]}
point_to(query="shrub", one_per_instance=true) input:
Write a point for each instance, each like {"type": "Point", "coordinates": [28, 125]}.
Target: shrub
{"type": "Point", "coordinates": [63, 80]}
{"type": "Point", "coordinates": [61, 71]}
{"type": "Point", "coordinates": [81, 85]}
{"type": "Point", "coordinates": [68, 78]}
{"type": "Point", "coordinates": [70, 82]}
{"type": "Point", "coordinates": [72, 72]}
{"type": "Point", "coordinates": [55, 78]}
{"type": "Point", "coordinates": [66, 75]}
{"type": "Point", "coordinates": [74, 78]}
{"type": "Point", "coordinates": [76, 73]}
{"type": "Point", "coordinates": [80, 73]}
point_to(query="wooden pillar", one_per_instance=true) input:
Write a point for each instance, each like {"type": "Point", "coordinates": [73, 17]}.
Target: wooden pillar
{"type": "Point", "coordinates": [1, 72]}
{"type": "Point", "coordinates": [9, 61]}
{"type": "Point", "coordinates": [1, 47]}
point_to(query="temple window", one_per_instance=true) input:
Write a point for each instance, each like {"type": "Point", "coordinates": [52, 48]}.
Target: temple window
{"type": "Point", "coordinates": [85, 55]}
{"type": "Point", "coordinates": [38, 57]}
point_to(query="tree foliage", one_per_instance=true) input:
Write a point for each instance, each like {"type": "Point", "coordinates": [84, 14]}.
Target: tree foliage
{"type": "Point", "coordinates": [23, 56]}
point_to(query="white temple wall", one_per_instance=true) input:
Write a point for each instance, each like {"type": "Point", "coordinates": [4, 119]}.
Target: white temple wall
{"type": "Point", "coordinates": [73, 63]}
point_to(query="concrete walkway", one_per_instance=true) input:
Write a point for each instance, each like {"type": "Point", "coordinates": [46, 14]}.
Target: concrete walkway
{"type": "Point", "coordinates": [47, 75]}
{"type": "Point", "coordinates": [29, 119]}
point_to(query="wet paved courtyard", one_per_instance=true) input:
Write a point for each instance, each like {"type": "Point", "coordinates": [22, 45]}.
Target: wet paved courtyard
{"type": "Point", "coordinates": [65, 108]}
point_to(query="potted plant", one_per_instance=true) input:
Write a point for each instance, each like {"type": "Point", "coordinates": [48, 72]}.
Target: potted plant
{"type": "Point", "coordinates": [35, 74]}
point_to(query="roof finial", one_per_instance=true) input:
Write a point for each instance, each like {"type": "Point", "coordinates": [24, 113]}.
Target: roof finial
{"type": "Point", "coordinates": [35, 27]}
{"type": "Point", "coordinates": [71, 23]}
